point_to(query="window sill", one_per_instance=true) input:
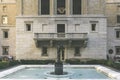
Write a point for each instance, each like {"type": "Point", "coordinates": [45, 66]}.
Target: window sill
{"type": "Point", "coordinates": [77, 55]}
{"type": "Point", "coordinates": [117, 38]}
{"type": "Point", "coordinates": [45, 55]}
{"type": "Point", "coordinates": [94, 31]}
{"type": "Point", "coordinates": [28, 31]}
{"type": "Point", "coordinates": [5, 38]}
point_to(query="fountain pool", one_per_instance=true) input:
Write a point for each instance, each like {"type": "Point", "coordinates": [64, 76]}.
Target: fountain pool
{"type": "Point", "coordinates": [42, 72]}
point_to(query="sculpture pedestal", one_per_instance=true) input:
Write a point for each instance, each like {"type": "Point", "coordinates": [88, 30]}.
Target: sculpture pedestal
{"type": "Point", "coordinates": [58, 68]}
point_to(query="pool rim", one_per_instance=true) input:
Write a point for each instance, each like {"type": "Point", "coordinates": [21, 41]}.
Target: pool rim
{"type": "Point", "coordinates": [114, 75]}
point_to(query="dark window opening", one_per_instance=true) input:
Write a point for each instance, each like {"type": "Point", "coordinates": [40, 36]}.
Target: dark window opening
{"type": "Point", "coordinates": [61, 28]}
{"type": "Point", "coordinates": [117, 34]}
{"type": "Point", "coordinates": [63, 55]}
{"type": "Point", "coordinates": [77, 51]}
{"type": "Point", "coordinates": [4, 8]}
{"type": "Point", "coordinates": [118, 18]}
{"type": "Point", "coordinates": [61, 7]}
{"type": "Point", "coordinates": [44, 51]}
{"type": "Point", "coordinates": [118, 50]}
{"type": "Point", "coordinates": [28, 27]}
{"type": "Point", "coordinates": [76, 7]}
{"type": "Point", "coordinates": [45, 7]}
{"type": "Point", "coordinates": [93, 27]}
{"type": "Point", "coordinates": [5, 34]}
{"type": "Point", "coordinates": [5, 50]}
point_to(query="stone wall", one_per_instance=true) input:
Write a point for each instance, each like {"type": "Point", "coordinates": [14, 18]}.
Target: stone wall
{"type": "Point", "coordinates": [112, 40]}
{"type": "Point", "coordinates": [112, 10]}
{"type": "Point", "coordinates": [30, 7]}
{"type": "Point", "coordinates": [22, 44]}
{"type": "Point", "coordinates": [96, 6]}
{"type": "Point", "coordinates": [10, 12]}
{"type": "Point", "coordinates": [10, 41]}
{"type": "Point", "coordinates": [97, 41]}
{"type": "Point", "coordinates": [7, 1]}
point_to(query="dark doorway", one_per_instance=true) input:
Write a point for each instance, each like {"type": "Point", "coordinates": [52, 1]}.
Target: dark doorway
{"type": "Point", "coordinates": [60, 28]}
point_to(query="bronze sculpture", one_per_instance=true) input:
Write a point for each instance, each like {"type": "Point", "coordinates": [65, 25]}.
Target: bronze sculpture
{"type": "Point", "coordinates": [59, 63]}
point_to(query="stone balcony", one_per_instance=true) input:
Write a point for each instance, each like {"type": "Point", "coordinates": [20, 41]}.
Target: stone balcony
{"type": "Point", "coordinates": [67, 39]}
{"type": "Point", "coordinates": [60, 36]}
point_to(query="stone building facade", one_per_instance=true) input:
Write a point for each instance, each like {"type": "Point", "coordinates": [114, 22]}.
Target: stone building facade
{"type": "Point", "coordinates": [7, 27]}
{"type": "Point", "coordinates": [113, 32]}
{"type": "Point", "coordinates": [33, 29]}
{"type": "Point", "coordinates": [43, 25]}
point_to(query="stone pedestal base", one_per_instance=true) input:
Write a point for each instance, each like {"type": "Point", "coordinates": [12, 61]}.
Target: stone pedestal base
{"type": "Point", "coordinates": [58, 68]}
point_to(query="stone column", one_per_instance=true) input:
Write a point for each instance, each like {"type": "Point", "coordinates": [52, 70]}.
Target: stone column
{"type": "Point", "coordinates": [67, 7]}
{"type": "Point", "coordinates": [21, 7]}
{"type": "Point", "coordinates": [52, 7]}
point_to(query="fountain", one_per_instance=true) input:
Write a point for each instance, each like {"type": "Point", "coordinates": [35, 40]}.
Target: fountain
{"type": "Point", "coordinates": [59, 63]}
{"type": "Point", "coordinates": [75, 72]}
{"type": "Point", "coordinates": [58, 67]}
